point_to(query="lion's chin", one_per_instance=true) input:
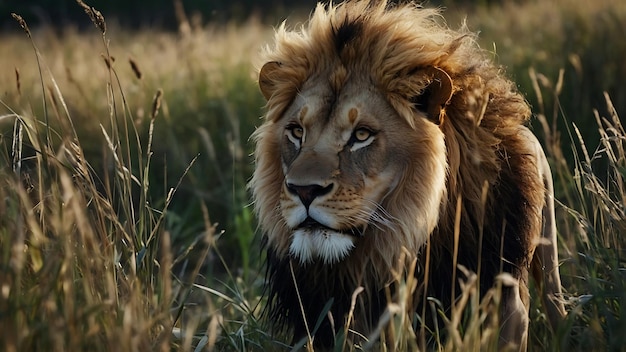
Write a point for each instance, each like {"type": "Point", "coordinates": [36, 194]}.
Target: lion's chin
{"type": "Point", "coordinates": [324, 244]}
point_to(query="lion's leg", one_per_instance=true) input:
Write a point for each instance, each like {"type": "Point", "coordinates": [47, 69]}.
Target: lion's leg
{"type": "Point", "coordinates": [545, 266]}
{"type": "Point", "coordinates": [515, 321]}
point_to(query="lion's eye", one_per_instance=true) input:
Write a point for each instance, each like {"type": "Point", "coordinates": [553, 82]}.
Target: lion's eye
{"type": "Point", "coordinates": [362, 134]}
{"type": "Point", "coordinates": [296, 131]}
{"type": "Point", "coordinates": [361, 138]}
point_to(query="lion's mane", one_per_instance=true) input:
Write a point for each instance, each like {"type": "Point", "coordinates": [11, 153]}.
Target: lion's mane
{"type": "Point", "coordinates": [489, 165]}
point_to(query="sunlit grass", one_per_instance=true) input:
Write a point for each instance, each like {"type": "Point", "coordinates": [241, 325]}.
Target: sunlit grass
{"type": "Point", "coordinates": [79, 259]}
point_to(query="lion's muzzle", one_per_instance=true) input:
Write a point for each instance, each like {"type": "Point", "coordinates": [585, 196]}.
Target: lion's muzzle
{"type": "Point", "coordinates": [313, 236]}
{"type": "Point", "coordinates": [308, 193]}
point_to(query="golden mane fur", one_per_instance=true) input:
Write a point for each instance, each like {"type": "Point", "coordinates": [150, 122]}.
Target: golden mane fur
{"type": "Point", "coordinates": [490, 163]}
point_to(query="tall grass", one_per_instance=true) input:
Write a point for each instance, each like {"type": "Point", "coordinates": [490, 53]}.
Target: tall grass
{"type": "Point", "coordinates": [124, 222]}
{"type": "Point", "coordinates": [86, 259]}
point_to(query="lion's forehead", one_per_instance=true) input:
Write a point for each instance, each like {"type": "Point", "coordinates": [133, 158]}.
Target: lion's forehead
{"type": "Point", "coordinates": [325, 122]}
{"type": "Point", "coordinates": [336, 114]}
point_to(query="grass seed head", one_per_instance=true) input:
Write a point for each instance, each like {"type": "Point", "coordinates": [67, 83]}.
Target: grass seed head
{"type": "Point", "coordinates": [17, 82]}
{"type": "Point", "coordinates": [108, 60]}
{"type": "Point", "coordinates": [135, 68]}
{"type": "Point", "coordinates": [22, 23]}
{"type": "Point", "coordinates": [95, 15]}
{"type": "Point", "coordinates": [156, 103]}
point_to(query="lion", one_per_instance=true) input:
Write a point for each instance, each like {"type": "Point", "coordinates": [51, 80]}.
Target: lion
{"type": "Point", "coordinates": [379, 121]}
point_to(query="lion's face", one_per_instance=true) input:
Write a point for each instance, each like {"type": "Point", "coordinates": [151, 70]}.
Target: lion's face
{"type": "Point", "coordinates": [349, 163]}
{"type": "Point", "coordinates": [339, 165]}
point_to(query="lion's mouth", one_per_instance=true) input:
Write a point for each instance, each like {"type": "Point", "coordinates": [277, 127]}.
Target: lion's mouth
{"type": "Point", "coordinates": [312, 224]}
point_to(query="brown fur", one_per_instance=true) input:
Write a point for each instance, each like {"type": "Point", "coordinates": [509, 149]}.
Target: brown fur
{"type": "Point", "coordinates": [399, 52]}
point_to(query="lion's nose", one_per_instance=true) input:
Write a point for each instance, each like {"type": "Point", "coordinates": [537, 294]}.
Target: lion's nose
{"type": "Point", "coordinates": [308, 193]}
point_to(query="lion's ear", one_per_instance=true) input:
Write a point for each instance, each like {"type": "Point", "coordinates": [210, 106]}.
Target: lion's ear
{"type": "Point", "coordinates": [436, 95]}
{"type": "Point", "coordinates": [267, 78]}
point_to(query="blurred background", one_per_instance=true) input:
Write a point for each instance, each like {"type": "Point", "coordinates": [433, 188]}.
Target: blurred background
{"type": "Point", "coordinates": [155, 14]}
{"type": "Point", "coordinates": [161, 13]}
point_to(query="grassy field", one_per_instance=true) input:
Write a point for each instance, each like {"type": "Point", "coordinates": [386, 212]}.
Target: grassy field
{"type": "Point", "coordinates": [125, 222]}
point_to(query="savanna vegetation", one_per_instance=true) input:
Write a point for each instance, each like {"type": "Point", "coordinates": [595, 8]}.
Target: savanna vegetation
{"type": "Point", "coordinates": [125, 223]}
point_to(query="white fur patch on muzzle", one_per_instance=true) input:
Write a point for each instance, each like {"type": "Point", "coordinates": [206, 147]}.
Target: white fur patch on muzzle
{"type": "Point", "coordinates": [310, 244]}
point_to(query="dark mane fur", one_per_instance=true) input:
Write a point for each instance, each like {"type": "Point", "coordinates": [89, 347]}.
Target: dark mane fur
{"type": "Point", "coordinates": [347, 30]}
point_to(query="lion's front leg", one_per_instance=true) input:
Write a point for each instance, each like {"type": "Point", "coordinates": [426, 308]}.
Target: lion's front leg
{"type": "Point", "coordinates": [515, 321]}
